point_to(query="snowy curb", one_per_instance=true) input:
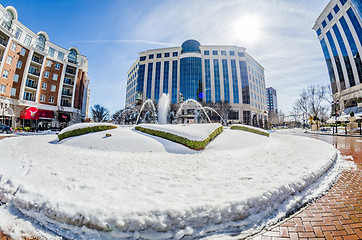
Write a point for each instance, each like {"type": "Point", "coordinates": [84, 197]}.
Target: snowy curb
{"type": "Point", "coordinates": [249, 129]}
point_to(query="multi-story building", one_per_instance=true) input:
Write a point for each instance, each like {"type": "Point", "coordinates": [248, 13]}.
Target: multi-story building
{"type": "Point", "coordinates": [42, 85]}
{"type": "Point", "coordinates": [205, 73]}
{"type": "Point", "coordinates": [339, 30]}
{"type": "Point", "coordinates": [271, 99]}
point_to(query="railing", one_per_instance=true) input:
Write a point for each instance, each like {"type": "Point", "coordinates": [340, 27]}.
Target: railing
{"type": "Point", "coordinates": [31, 85]}
{"type": "Point", "coordinates": [34, 72]}
{"type": "Point", "coordinates": [67, 93]}
{"type": "Point", "coordinates": [68, 81]}
{"type": "Point", "coordinates": [29, 99]}
{"type": "Point", "coordinates": [70, 71]}
{"type": "Point", "coordinates": [72, 61]}
{"type": "Point", "coordinates": [5, 25]}
{"type": "Point", "coordinates": [65, 104]}
{"type": "Point", "coordinates": [3, 42]}
{"type": "Point", "coordinates": [37, 60]}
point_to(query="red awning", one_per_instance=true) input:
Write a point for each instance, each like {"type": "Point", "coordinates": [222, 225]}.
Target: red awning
{"type": "Point", "coordinates": [34, 114]}
{"type": "Point", "coordinates": [30, 113]}
{"type": "Point", "coordinates": [46, 113]}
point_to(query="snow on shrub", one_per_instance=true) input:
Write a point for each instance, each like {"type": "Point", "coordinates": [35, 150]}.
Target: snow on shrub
{"type": "Point", "coordinates": [174, 136]}
{"type": "Point", "coordinates": [83, 128]}
{"type": "Point", "coordinates": [248, 128]}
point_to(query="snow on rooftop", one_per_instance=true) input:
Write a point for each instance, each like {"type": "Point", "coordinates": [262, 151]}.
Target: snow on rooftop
{"type": "Point", "coordinates": [133, 185]}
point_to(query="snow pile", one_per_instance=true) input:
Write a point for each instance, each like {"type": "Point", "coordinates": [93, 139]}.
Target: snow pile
{"type": "Point", "coordinates": [84, 125]}
{"type": "Point", "coordinates": [195, 132]}
{"type": "Point", "coordinates": [132, 185]}
{"type": "Point", "coordinates": [251, 127]}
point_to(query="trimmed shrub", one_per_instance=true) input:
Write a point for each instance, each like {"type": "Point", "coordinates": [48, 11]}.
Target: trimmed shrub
{"type": "Point", "coordinates": [247, 129]}
{"type": "Point", "coordinates": [82, 131]}
{"type": "Point", "coordinates": [196, 145]}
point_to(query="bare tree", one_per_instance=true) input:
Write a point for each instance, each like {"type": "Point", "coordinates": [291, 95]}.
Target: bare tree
{"type": "Point", "coordinates": [99, 113]}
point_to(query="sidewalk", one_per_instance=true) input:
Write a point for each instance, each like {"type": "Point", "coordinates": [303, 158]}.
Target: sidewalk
{"type": "Point", "coordinates": [336, 215]}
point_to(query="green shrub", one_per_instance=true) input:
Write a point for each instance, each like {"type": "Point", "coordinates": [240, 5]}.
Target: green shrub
{"type": "Point", "coordinates": [27, 129]}
{"type": "Point", "coordinates": [82, 131]}
{"type": "Point", "coordinates": [247, 129]}
{"type": "Point", "coordinates": [196, 145]}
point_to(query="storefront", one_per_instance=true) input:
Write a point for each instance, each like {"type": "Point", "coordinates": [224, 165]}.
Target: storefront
{"type": "Point", "coordinates": [63, 118]}
{"type": "Point", "coordinates": [36, 119]}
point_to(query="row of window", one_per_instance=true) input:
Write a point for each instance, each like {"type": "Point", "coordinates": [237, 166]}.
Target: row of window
{"type": "Point", "coordinates": [330, 16]}
{"type": "Point", "coordinates": [9, 61]}
{"type": "Point", "coordinates": [49, 64]}
{"type": "Point", "coordinates": [27, 95]}
{"type": "Point", "coordinates": [158, 55]}
{"type": "Point", "coordinates": [223, 52]}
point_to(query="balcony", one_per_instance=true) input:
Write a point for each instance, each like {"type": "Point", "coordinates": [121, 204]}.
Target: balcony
{"type": "Point", "coordinates": [3, 42]}
{"type": "Point", "coordinates": [37, 60]}
{"type": "Point", "coordinates": [70, 71]}
{"type": "Point", "coordinates": [34, 71]}
{"type": "Point", "coordinates": [65, 104]}
{"type": "Point", "coordinates": [6, 26]}
{"type": "Point", "coordinates": [68, 81]}
{"type": "Point", "coordinates": [72, 61]}
{"type": "Point", "coordinates": [67, 93]}
{"type": "Point", "coordinates": [31, 85]}
{"type": "Point", "coordinates": [29, 99]}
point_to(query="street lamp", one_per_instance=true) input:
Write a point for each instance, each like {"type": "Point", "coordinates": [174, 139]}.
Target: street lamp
{"type": "Point", "coordinates": [3, 106]}
{"type": "Point", "coordinates": [335, 105]}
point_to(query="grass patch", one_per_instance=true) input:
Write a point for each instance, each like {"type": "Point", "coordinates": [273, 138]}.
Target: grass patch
{"type": "Point", "coordinates": [82, 131]}
{"type": "Point", "coordinates": [196, 145]}
{"type": "Point", "coordinates": [249, 129]}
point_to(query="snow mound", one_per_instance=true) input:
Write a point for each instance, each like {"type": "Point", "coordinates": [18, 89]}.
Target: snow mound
{"type": "Point", "coordinates": [194, 132]}
{"type": "Point", "coordinates": [84, 125]}
{"type": "Point", "coordinates": [91, 187]}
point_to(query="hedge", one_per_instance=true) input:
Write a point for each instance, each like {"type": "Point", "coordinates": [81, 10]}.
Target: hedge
{"type": "Point", "coordinates": [82, 131]}
{"type": "Point", "coordinates": [196, 145]}
{"type": "Point", "coordinates": [247, 129]}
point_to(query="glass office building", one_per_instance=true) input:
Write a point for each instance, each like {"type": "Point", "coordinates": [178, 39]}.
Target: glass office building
{"type": "Point", "coordinates": [339, 30]}
{"type": "Point", "coordinates": [205, 73]}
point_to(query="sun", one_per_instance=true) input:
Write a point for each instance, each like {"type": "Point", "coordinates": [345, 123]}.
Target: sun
{"type": "Point", "coordinates": [247, 29]}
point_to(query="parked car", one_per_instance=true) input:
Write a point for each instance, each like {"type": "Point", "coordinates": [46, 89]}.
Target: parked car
{"type": "Point", "coordinates": [5, 129]}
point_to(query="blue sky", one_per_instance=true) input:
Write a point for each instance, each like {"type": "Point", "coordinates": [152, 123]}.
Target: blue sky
{"type": "Point", "coordinates": [111, 33]}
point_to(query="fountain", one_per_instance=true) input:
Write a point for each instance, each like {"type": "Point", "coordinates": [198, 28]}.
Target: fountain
{"type": "Point", "coordinates": [154, 113]}
{"type": "Point", "coordinates": [163, 108]}
{"type": "Point", "coordinates": [197, 104]}
{"type": "Point", "coordinates": [213, 110]}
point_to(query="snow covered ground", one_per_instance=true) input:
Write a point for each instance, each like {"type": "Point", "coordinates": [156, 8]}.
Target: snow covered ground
{"type": "Point", "coordinates": [132, 185]}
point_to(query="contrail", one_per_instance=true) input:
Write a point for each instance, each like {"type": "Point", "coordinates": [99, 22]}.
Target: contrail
{"type": "Point", "coordinates": [287, 77]}
{"type": "Point", "coordinates": [125, 41]}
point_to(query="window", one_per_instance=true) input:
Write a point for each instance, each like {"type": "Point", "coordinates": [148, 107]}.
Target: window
{"type": "Point", "coordinates": [324, 24]}
{"type": "Point", "coordinates": [13, 91]}
{"type": "Point", "coordinates": [22, 51]}
{"type": "Point", "coordinates": [232, 53]}
{"type": "Point", "coordinates": [18, 64]}
{"type": "Point", "coordinates": [214, 53]}
{"type": "Point", "coordinates": [27, 40]}
{"type": "Point", "coordinates": [223, 52]}
{"type": "Point", "coordinates": [52, 88]}
{"type": "Point", "coordinates": [55, 76]}
{"type": "Point", "coordinates": [5, 74]}
{"type": "Point", "coordinates": [159, 55]}
{"type": "Point", "coordinates": [329, 16]}
{"type": "Point", "coordinates": [206, 52]}
{"type": "Point", "coordinates": [57, 66]}
{"type": "Point", "coordinates": [175, 54]}
{"type": "Point", "coordinates": [51, 99]}
{"type": "Point", "coordinates": [51, 52]}
{"type": "Point", "coordinates": [44, 86]}
{"type": "Point", "coordinates": [42, 98]}
{"type": "Point", "coordinates": [13, 46]}
{"type": "Point", "coordinates": [60, 56]}
{"type": "Point", "coordinates": [2, 88]}
{"type": "Point", "coordinates": [16, 78]}
{"type": "Point", "coordinates": [319, 31]}
{"type": "Point", "coordinates": [167, 54]}
{"type": "Point", "coordinates": [142, 58]}
{"type": "Point", "coordinates": [9, 60]}
{"type": "Point", "coordinates": [18, 33]}
{"type": "Point", "coordinates": [241, 54]}
{"type": "Point", "coordinates": [49, 63]}
{"type": "Point", "coordinates": [150, 56]}
{"type": "Point", "coordinates": [46, 74]}
{"type": "Point", "coordinates": [40, 42]}
{"type": "Point", "coordinates": [336, 9]}
{"type": "Point", "coordinates": [343, 2]}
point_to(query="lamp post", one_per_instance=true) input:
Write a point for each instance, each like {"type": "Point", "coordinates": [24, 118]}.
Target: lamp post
{"type": "Point", "coordinates": [335, 105]}
{"type": "Point", "coordinates": [3, 106]}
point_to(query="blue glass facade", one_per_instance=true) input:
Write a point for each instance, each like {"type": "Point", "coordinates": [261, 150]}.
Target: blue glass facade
{"type": "Point", "coordinates": [347, 62]}
{"type": "Point", "coordinates": [244, 82]}
{"type": "Point", "coordinates": [191, 78]}
{"type": "Point", "coordinates": [166, 69]}
{"type": "Point", "coordinates": [336, 60]}
{"type": "Point", "coordinates": [225, 74]}
{"type": "Point", "coordinates": [190, 46]}
{"type": "Point", "coordinates": [207, 81]}
{"type": "Point", "coordinates": [174, 81]}
{"type": "Point", "coordinates": [149, 80]}
{"type": "Point", "coordinates": [217, 80]}
{"type": "Point", "coordinates": [157, 81]}
{"type": "Point", "coordinates": [355, 23]}
{"type": "Point", "coordinates": [234, 76]}
{"type": "Point", "coordinates": [140, 78]}
{"type": "Point", "coordinates": [329, 65]}
{"type": "Point", "coordinates": [358, 5]}
{"type": "Point", "coordinates": [353, 47]}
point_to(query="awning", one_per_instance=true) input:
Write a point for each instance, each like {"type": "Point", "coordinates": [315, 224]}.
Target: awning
{"type": "Point", "coordinates": [33, 113]}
